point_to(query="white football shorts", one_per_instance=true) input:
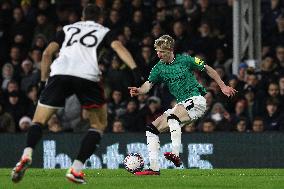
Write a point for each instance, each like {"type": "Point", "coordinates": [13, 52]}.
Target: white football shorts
{"type": "Point", "coordinates": [195, 106]}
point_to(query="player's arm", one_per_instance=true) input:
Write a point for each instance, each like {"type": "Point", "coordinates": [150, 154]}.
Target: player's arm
{"type": "Point", "coordinates": [145, 88]}
{"type": "Point", "coordinates": [123, 53]}
{"type": "Point", "coordinates": [49, 52]}
{"type": "Point", "coordinates": [46, 61]}
{"type": "Point", "coordinates": [126, 57]}
{"type": "Point", "coordinates": [227, 90]}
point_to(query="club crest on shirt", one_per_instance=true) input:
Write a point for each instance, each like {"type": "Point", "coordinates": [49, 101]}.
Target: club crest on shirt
{"type": "Point", "coordinates": [198, 61]}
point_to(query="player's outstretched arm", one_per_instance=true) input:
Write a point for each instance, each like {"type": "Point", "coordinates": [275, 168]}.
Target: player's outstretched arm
{"type": "Point", "coordinates": [46, 61]}
{"type": "Point", "coordinates": [145, 88]}
{"type": "Point", "coordinates": [227, 90]}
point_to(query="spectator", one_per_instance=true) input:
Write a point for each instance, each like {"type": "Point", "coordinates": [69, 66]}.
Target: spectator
{"type": "Point", "coordinates": [7, 123]}
{"type": "Point", "coordinates": [15, 60]}
{"type": "Point", "coordinates": [29, 12]}
{"type": "Point", "coordinates": [208, 126]}
{"type": "Point", "coordinates": [138, 25]}
{"type": "Point", "coordinates": [30, 76]}
{"type": "Point", "coordinates": [35, 55]}
{"type": "Point", "coordinates": [15, 107]}
{"type": "Point", "coordinates": [182, 42]}
{"type": "Point", "coordinates": [206, 42]}
{"type": "Point", "coordinates": [150, 111]}
{"type": "Point", "coordinates": [130, 117]}
{"type": "Point", "coordinates": [32, 99]}
{"type": "Point", "coordinates": [114, 20]}
{"type": "Point", "coordinates": [117, 127]}
{"type": "Point", "coordinates": [272, 117]}
{"type": "Point", "coordinates": [258, 125]}
{"type": "Point", "coordinates": [242, 71]}
{"type": "Point", "coordinates": [210, 100]}
{"type": "Point", "coordinates": [40, 42]}
{"type": "Point", "coordinates": [117, 77]}
{"type": "Point", "coordinates": [253, 105]}
{"type": "Point", "coordinates": [234, 82]}
{"type": "Point", "coordinates": [46, 8]}
{"type": "Point", "coordinates": [73, 17]}
{"type": "Point", "coordinates": [268, 69]}
{"type": "Point", "coordinates": [221, 59]}
{"type": "Point", "coordinates": [157, 30]}
{"type": "Point", "coordinates": [43, 26]}
{"type": "Point", "coordinates": [7, 75]}
{"type": "Point", "coordinates": [13, 86]}
{"type": "Point", "coordinates": [142, 100]}
{"type": "Point", "coordinates": [280, 58]}
{"type": "Point", "coordinates": [252, 81]}
{"type": "Point", "coordinates": [220, 116]}
{"type": "Point", "coordinates": [241, 125]}
{"type": "Point", "coordinates": [192, 13]}
{"type": "Point", "coordinates": [116, 106]}
{"type": "Point", "coordinates": [269, 19]}
{"type": "Point", "coordinates": [281, 87]}
{"type": "Point", "coordinates": [277, 37]}
{"type": "Point", "coordinates": [274, 92]}
{"type": "Point", "coordinates": [19, 25]}
{"type": "Point", "coordinates": [145, 60]}
{"type": "Point", "coordinates": [25, 123]}
{"type": "Point", "coordinates": [189, 128]}
{"type": "Point", "coordinates": [70, 115]}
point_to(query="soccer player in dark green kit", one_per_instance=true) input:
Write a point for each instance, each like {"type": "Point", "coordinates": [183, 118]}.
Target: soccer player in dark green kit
{"type": "Point", "coordinates": [176, 71]}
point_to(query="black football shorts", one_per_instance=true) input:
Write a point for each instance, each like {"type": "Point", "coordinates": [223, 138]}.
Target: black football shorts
{"type": "Point", "coordinates": [59, 87]}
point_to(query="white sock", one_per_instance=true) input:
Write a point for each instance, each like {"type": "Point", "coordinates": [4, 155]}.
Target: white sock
{"type": "Point", "coordinates": [28, 152]}
{"type": "Point", "coordinates": [175, 130]}
{"type": "Point", "coordinates": [153, 144]}
{"type": "Point", "coordinates": [77, 166]}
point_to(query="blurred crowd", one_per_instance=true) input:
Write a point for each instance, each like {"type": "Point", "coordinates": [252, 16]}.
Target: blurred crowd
{"type": "Point", "coordinates": [201, 28]}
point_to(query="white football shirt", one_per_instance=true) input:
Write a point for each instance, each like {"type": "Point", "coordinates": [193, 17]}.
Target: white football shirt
{"type": "Point", "coordinates": [78, 53]}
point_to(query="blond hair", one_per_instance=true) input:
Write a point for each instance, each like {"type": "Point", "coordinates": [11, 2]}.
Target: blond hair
{"type": "Point", "coordinates": [165, 42]}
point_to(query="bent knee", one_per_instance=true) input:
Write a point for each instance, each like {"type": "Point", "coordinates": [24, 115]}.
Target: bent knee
{"type": "Point", "coordinates": [152, 129]}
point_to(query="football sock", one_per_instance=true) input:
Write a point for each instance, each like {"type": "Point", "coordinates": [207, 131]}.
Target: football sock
{"type": "Point", "coordinates": [88, 145]}
{"type": "Point", "coordinates": [153, 145]}
{"type": "Point", "coordinates": [77, 165]}
{"type": "Point", "coordinates": [34, 135]}
{"type": "Point", "coordinates": [28, 152]}
{"type": "Point", "coordinates": [175, 130]}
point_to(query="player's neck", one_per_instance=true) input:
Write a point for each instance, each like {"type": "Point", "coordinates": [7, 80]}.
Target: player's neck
{"type": "Point", "coordinates": [171, 59]}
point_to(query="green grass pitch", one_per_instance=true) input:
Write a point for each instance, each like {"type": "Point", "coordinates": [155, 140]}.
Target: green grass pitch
{"type": "Point", "coordinates": [169, 179]}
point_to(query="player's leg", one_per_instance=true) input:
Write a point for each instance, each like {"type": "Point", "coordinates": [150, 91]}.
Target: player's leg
{"type": "Point", "coordinates": [91, 97]}
{"type": "Point", "coordinates": [51, 99]}
{"type": "Point", "coordinates": [153, 144]}
{"type": "Point", "coordinates": [188, 110]}
{"type": "Point", "coordinates": [174, 120]}
{"type": "Point", "coordinates": [34, 135]}
{"type": "Point", "coordinates": [98, 123]}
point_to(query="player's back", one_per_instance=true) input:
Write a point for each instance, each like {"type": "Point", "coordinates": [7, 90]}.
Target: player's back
{"type": "Point", "coordinates": [78, 53]}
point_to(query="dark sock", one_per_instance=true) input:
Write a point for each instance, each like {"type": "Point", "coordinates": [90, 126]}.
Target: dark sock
{"type": "Point", "coordinates": [34, 135]}
{"type": "Point", "coordinates": [88, 145]}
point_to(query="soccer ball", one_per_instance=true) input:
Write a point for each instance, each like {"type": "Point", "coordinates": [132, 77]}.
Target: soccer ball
{"type": "Point", "coordinates": [133, 162]}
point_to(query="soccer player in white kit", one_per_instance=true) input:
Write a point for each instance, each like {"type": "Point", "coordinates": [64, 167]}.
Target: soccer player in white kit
{"type": "Point", "coordinates": [74, 71]}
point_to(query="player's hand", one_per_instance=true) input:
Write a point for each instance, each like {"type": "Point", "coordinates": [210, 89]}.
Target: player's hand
{"type": "Point", "coordinates": [134, 91]}
{"type": "Point", "coordinates": [229, 91]}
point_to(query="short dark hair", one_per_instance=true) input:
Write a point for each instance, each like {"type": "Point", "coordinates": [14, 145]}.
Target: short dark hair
{"type": "Point", "coordinates": [92, 12]}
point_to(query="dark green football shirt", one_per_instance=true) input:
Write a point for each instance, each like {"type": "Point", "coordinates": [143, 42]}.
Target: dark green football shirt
{"type": "Point", "coordinates": [179, 76]}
